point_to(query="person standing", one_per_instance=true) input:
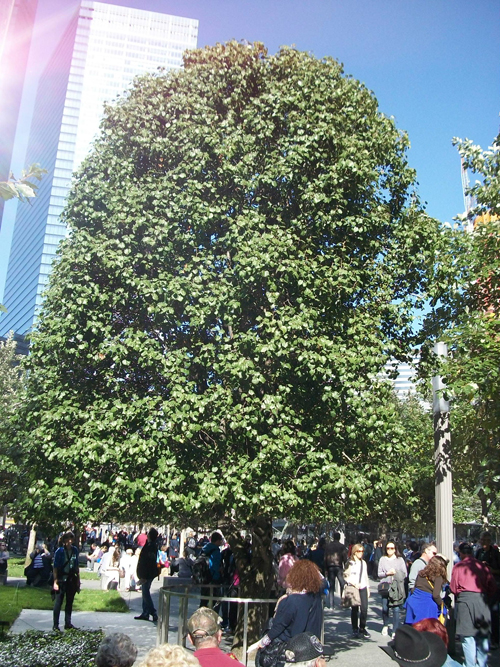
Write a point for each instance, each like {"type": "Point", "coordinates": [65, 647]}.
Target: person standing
{"type": "Point", "coordinates": [356, 574]}
{"type": "Point", "coordinates": [472, 583]}
{"type": "Point", "coordinates": [142, 538]}
{"type": "Point", "coordinates": [335, 560]}
{"type": "Point", "coordinates": [391, 566]}
{"type": "Point", "coordinates": [147, 570]}
{"type": "Point", "coordinates": [318, 555]}
{"type": "Point", "coordinates": [426, 601]}
{"type": "Point", "coordinates": [66, 580]}
{"type": "Point", "coordinates": [287, 560]}
{"type": "Point", "coordinates": [212, 552]}
{"type": "Point", "coordinates": [4, 559]}
{"type": "Point", "coordinates": [428, 552]}
{"type": "Point", "coordinates": [488, 554]}
{"type": "Point", "coordinates": [301, 610]}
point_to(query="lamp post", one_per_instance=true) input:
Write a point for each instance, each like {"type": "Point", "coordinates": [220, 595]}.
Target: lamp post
{"type": "Point", "coordinates": [442, 464]}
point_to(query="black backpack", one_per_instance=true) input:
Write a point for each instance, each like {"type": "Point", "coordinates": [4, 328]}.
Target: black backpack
{"type": "Point", "coordinates": [201, 570]}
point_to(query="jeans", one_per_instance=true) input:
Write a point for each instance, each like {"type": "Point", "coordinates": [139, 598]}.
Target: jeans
{"type": "Point", "coordinates": [363, 609]}
{"type": "Point", "coordinates": [475, 651]}
{"type": "Point", "coordinates": [147, 601]}
{"type": "Point", "coordinates": [217, 592]}
{"type": "Point", "coordinates": [68, 591]}
{"type": "Point", "coordinates": [395, 614]}
{"type": "Point", "coordinates": [335, 572]}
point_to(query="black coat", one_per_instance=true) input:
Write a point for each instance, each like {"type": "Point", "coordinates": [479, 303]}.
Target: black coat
{"type": "Point", "coordinates": [146, 567]}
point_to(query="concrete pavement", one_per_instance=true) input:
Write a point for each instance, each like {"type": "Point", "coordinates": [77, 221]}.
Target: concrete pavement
{"type": "Point", "coordinates": [338, 636]}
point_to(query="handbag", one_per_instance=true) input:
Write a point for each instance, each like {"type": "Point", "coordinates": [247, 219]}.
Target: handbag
{"type": "Point", "coordinates": [351, 596]}
{"type": "Point", "coordinates": [271, 655]}
{"type": "Point", "coordinates": [383, 589]}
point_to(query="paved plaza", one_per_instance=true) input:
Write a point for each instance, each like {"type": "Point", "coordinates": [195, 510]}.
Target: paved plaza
{"type": "Point", "coordinates": [338, 637]}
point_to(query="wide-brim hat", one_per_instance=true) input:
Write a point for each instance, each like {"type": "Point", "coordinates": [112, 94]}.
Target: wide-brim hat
{"type": "Point", "coordinates": [411, 648]}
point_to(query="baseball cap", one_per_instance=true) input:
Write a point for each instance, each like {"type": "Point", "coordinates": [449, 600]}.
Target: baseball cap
{"type": "Point", "coordinates": [303, 647]}
{"type": "Point", "coordinates": [204, 622]}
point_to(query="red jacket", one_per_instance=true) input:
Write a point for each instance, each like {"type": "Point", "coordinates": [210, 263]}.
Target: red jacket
{"type": "Point", "coordinates": [473, 576]}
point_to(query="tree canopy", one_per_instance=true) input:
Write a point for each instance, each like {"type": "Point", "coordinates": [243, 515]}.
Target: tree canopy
{"type": "Point", "coordinates": [11, 397]}
{"type": "Point", "coordinates": [246, 252]}
{"type": "Point", "coordinates": [466, 317]}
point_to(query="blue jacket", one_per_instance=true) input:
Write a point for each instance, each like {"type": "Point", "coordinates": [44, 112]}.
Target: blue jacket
{"type": "Point", "coordinates": [215, 560]}
{"type": "Point", "coordinates": [60, 559]}
{"type": "Point", "coordinates": [295, 614]}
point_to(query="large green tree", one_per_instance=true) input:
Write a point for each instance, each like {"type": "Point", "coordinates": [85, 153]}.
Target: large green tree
{"type": "Point", "coordinates": [246, 251]}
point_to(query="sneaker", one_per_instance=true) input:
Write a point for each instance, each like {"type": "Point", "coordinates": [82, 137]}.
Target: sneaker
{"type": "Point", "coordinates": [355, 634]}
{"type": "Point", "coordinates": [142, 617]}
{"type": "Point", "coordinates": [56, 629]}
{"type": "Point", "coordinates": [69, 626]}
{"type": "Point", "coordinates": [364, 633]}
{"type": "Point", "coordinates": [385, 631]}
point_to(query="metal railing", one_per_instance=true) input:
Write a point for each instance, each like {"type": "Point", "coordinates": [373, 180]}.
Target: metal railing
{"type": "Point", "coordinates": [164, 612]}
{"type": "Point", "coordinates": [164, 606]}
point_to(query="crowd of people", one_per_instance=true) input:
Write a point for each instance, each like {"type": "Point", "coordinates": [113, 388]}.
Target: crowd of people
{"type": "Point", "coordinates": [413, 587]}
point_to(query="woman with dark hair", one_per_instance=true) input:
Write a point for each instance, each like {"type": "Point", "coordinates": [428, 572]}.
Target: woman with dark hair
{"type": "Point", "coordinates": [286, 562]}
{"type": "Point", "coordinates": [391, 568]}
{"type": "Point", "coordinates": [298, 611]}
{"type": "Point", "coordinates": [425, 601]}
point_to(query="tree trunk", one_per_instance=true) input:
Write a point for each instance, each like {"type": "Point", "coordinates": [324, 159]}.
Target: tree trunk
{"type": "Point", "coordinates": [256, 578]}
{"type": "Point", "coordinates": [31, 545]}
{"type": "Point", "coordinates": [485, 507]}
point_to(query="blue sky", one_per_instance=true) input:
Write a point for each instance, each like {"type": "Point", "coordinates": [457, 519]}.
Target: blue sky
{"type": "Point", "coordinates": [433, 64]}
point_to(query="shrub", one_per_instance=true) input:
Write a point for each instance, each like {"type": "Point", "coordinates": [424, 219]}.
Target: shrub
{"type": "Point", "coordinates": [77, 648]}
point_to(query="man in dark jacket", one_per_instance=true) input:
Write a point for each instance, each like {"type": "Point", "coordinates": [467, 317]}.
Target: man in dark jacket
{"type": "Point", "coordinates": [147, 570]}
{"type": "Point", "coordinates": [472, 583]}
{"type": "Point", "coordinates": [335, 559]}
{"type": "Point", "coordinates": [213, 553]}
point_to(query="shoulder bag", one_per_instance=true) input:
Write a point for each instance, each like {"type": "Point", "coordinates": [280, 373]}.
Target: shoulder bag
{"type": "Point", "coordinates": [350, 595]}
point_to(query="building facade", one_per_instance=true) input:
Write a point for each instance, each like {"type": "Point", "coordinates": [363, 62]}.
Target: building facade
{"type": "Point", "coordinates": [104, 47]}
{"type": "Point", "coordinates": [17, 18]}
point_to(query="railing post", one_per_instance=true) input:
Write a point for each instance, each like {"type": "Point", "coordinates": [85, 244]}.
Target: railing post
{"type": "Point", "coordinates": [180, 623]}
{"type": "Point", "coordinates": [245, 631]}
{"type": "Point", "coordinates": [159, 630]}
{"type": "Point", "coordinates": [167, 619]}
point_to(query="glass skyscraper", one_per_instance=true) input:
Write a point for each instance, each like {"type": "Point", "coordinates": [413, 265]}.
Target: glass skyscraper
{"type": "Point", "coordinates": [102, 50]}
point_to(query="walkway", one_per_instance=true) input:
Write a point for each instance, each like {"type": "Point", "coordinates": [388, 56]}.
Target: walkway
{"type": "Point", "coordinates": [338, 637]}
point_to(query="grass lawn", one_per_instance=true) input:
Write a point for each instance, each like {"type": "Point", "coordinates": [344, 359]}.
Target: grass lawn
{"type": "Point", "coordinates": [16, 569]}
{"type": "Point", "coordinates": [13, 600]}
